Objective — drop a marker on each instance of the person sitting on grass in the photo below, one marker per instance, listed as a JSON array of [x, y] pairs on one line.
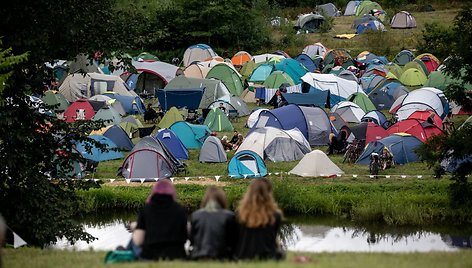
[[213, 228], [238, 142], [226, 145], [260, 221], [234, 139], [150, 114], [161, 230]]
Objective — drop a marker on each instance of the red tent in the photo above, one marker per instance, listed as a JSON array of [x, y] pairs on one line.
[[369, 131], [421, 130], [423, 116], [430, 62], [80, 109]]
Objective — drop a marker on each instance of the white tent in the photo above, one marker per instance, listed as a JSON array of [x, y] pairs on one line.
[[116, 104], [199, 52], [402, 20], [337, 86], [422, 99], [266, 57], [252, 118], [78, 86], [317, 49], [316, 164], [349, 111], [276, 144]]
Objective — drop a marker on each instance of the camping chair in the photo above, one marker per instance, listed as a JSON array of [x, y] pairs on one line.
[[233, 115], [145, 131]]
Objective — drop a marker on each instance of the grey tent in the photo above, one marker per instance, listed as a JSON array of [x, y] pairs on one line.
[[232, 103], [82, 64], [212, 151], [328, 9], [275, 144], [351, 8], [318, 125], [348, 75], [109, 115], [214, 89], [150, 160], [309, 23], [403, 20], [403, 57]]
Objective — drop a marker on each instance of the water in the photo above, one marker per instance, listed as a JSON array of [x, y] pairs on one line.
[[313, 236]]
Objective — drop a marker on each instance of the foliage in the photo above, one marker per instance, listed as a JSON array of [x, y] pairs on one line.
[[436, 40], [7, 63]]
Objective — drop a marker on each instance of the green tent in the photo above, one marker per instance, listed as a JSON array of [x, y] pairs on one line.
[[366, 6], [216, 120], [172, 115], [277, 78], [413, 78], [247, 69], [130, 128], [363, 101], [52, 98], [394, 69], [145, 56], [229, 76], [417, 64], [109, 115]]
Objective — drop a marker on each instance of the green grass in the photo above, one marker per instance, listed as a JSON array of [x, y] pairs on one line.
[[29, 257]]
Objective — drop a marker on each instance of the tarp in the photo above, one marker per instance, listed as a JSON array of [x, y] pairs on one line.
[[316, 164], [212, 151], [316, 97], [173, 143], [180, 98], [246, 164], [276, 145], [339, 88], [401, 146]]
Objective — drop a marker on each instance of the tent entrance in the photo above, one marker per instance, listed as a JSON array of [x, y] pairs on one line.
[[249, 162]]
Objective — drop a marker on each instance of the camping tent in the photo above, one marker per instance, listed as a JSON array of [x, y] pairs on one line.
[[277, 78], [313, 122], [261, 73], [119, 136], [307, 62], [150, 160], [229, 76], [192, 136], [402, 146], [261, 58], [173, 143], [189, 98], [293, 68], [423, 116], [232, 103], [413, 78], [366, 6], [171, 116], [82, 109], [328, 9], [214, 89], [339, 88], [351, 8], [383, 97], [417, 64], [403, 20], [348, 75], [403, 57], [421, 130], [240, 58], [316, 49], [199, 52], [275, 144], [368, 131], [109, 115], [116, 104], [309, 23], [216, 120], [316, 164], [78, 85], [254, 116], [371, 25], [349, 111], [430, 61], [421, 99], [52, 98], [377, 117], [246, 164], [96, 154], [362, 100], [196, 70], [131, 104], [212, 151]]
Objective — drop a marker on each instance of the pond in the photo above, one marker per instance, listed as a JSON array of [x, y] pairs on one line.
[[310, 235]]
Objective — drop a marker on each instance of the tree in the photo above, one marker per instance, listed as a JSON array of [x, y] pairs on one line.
[[37, 207]]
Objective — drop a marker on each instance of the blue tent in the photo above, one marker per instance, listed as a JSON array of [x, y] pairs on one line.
[[372, 25], [383, 97], [95, 153], [293, 68], [173, 143], [132, 105], [286, 118], [307, 62], [192, 136], [377, 117], [246, 164], [315, 98], [180, 98], [261, 73], [118, 135], [401, 146]]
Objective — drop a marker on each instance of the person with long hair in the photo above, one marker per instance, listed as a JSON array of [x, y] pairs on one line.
[[260, 221], [161, 229], [213, 228]]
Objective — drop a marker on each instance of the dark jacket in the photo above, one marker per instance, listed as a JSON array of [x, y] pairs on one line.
[[165, 225], [212, 234], [260, 242]]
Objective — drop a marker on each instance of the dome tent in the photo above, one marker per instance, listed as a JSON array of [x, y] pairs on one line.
[[246, 164], [316, 164], [216, 120], [403, 20], [309, 23], [212, 151], [173, 143], [349, 111]]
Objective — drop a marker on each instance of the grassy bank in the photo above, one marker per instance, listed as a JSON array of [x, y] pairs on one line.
[[56, 258], [392, 201]]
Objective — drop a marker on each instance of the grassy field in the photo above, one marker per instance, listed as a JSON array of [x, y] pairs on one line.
[[37, 258]]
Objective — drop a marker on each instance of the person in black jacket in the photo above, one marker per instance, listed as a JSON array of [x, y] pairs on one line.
[[161, 229], [259, 223], [213, 227]]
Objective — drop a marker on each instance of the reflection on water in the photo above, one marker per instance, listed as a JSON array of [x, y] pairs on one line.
[[310, 237]]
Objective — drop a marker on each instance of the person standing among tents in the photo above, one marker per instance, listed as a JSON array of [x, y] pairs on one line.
[[260, 221], [161, 230], [213, 228], [448, 124]]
